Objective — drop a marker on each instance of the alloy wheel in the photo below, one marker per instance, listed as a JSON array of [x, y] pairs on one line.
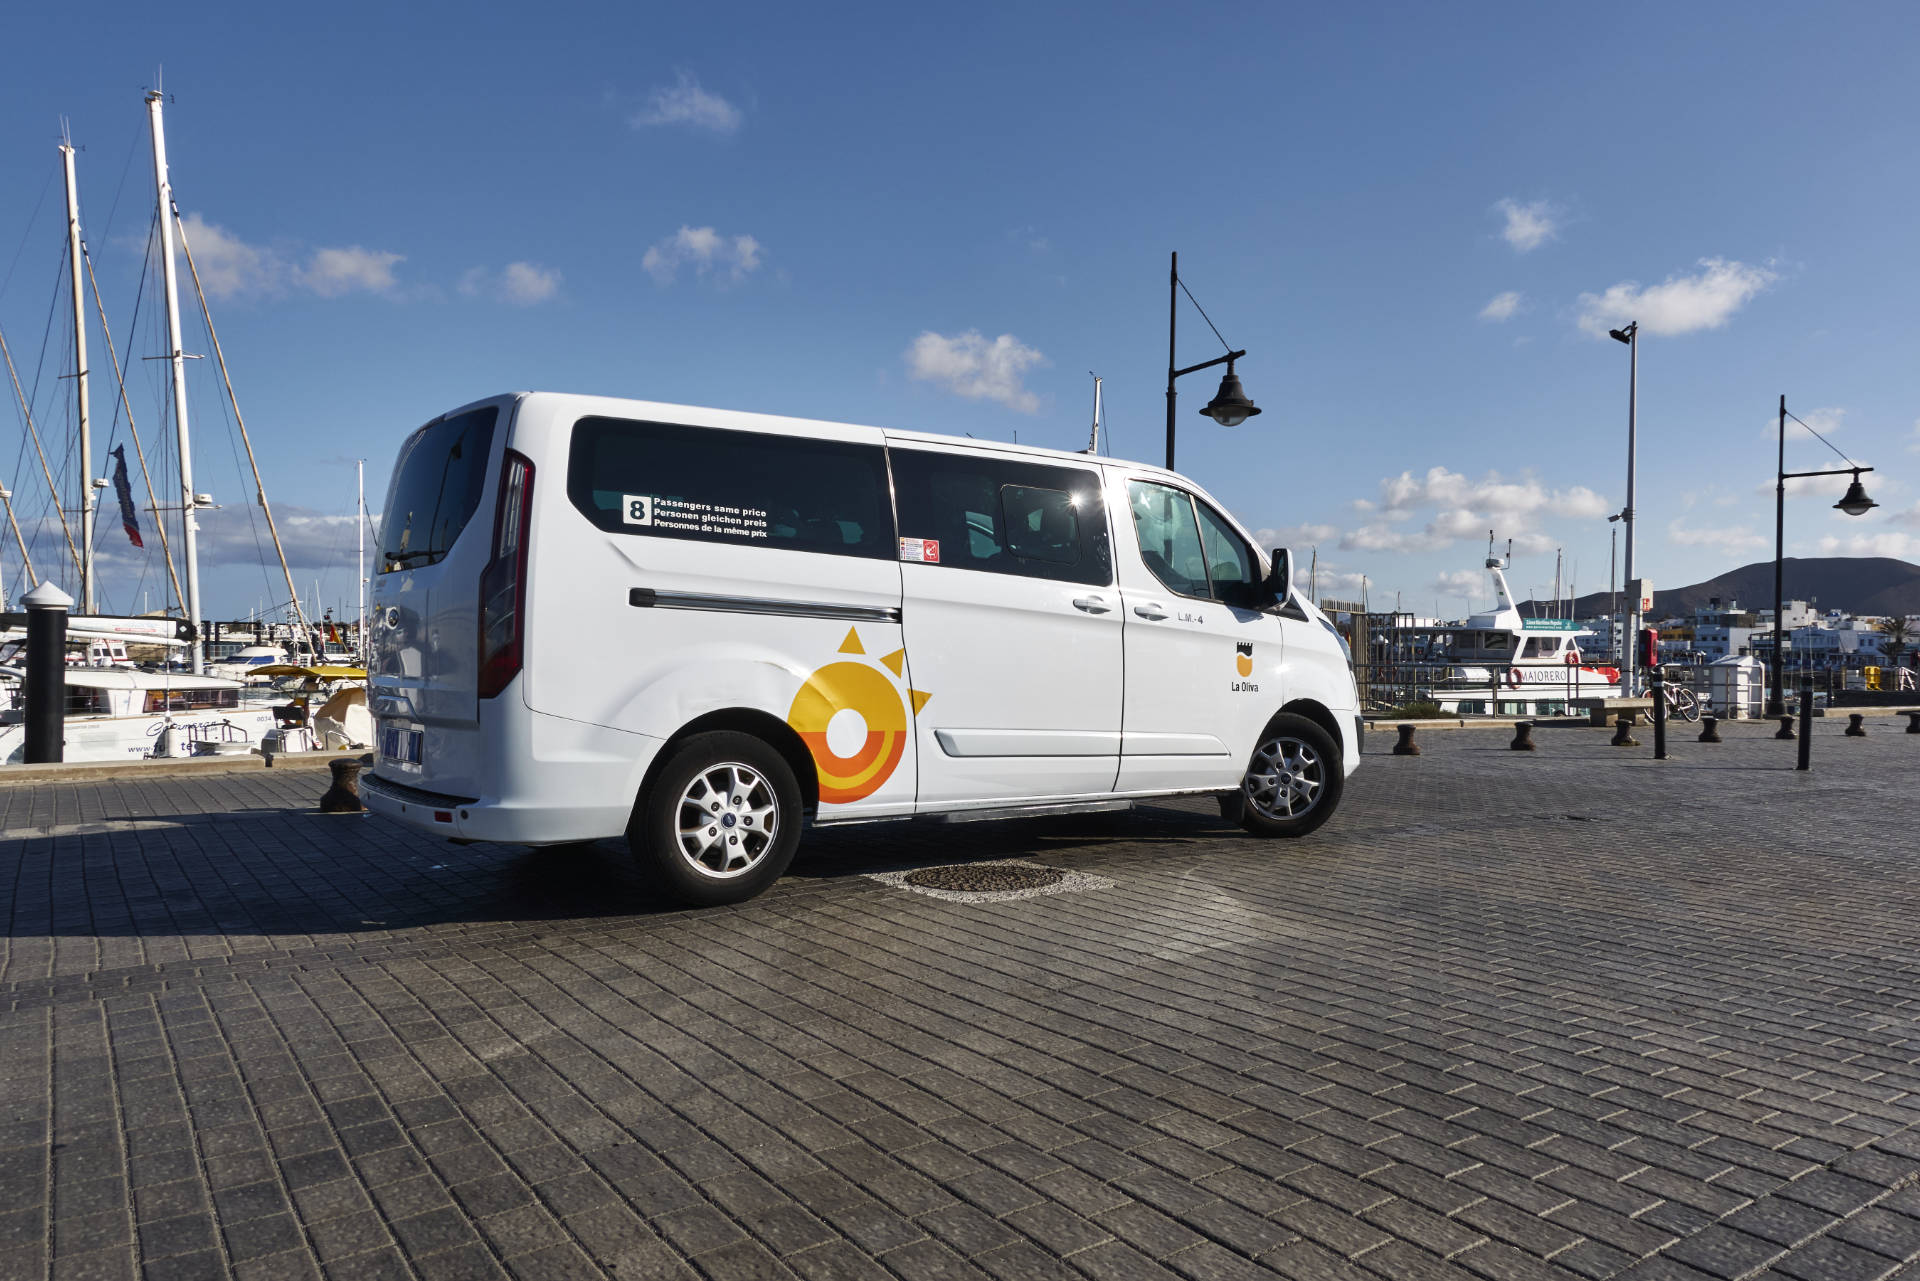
[[729, 817], [1286, 778]]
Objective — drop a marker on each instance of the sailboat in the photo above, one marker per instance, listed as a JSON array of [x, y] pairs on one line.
[[117, 714]]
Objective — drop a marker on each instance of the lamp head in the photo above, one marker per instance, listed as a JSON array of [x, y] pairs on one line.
[[1624, 335], [1230, 406], [1855, 502]]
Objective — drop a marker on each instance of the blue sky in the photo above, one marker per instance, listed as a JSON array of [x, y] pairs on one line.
[[1413, 217]]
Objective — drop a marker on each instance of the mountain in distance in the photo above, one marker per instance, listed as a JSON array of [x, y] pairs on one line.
[[1856, 584]]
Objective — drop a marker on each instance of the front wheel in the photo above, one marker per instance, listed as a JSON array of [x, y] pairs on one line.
[[1293, 781], [1684, 703], [721, 821]]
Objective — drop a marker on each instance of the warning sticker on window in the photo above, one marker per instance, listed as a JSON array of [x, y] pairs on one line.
[[636, 509], [924, 550]]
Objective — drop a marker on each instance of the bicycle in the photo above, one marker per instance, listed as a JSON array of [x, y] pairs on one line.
[[1681, 701]]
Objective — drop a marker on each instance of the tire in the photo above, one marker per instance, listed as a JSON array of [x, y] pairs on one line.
[[739, 779], [1294, 780], [1686, 703]]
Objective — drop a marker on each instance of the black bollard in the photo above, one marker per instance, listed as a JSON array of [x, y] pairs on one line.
[[1856, 727], [46, 682], [344, 796], [1913, 722], [1806, 725], [1710, 729], [1658, 689], [1622, 733], [1786, 728], [1406, 746], [1522, 737]]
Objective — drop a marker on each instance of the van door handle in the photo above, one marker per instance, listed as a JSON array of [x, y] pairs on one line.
[[1092, 604], [1150, 611]]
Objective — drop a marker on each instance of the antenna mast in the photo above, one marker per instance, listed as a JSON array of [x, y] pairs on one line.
[[79, 373], [190, 527], [1093, 441]]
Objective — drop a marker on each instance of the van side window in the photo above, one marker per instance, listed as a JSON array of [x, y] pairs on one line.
[[1002, 515], [437, 483], [1231, 565], [1169, 537], [666, 480]]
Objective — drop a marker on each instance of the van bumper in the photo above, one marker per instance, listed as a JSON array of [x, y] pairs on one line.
[[578, 783]]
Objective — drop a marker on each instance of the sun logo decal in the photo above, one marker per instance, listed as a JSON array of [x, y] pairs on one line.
[[853, 720], [1243, 657]]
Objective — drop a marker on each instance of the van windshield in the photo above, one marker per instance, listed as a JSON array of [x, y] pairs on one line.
[[437, 482]]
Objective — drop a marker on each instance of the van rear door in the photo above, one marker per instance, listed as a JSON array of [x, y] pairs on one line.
[[431, 550]]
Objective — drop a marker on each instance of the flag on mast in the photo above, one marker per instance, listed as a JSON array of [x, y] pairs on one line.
[[129, 518]]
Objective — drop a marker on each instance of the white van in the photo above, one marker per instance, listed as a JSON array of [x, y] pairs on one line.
[[707, 630]]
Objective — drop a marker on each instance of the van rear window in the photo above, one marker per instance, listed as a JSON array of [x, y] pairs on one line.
[[666, 480], [437, 483]]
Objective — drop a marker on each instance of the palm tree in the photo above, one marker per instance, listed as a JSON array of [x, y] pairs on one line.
[[1898, 637]]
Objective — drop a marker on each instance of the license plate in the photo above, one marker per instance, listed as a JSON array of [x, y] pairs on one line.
[[400, 745]]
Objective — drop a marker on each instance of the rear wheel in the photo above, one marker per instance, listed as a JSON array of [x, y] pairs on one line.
[[721, 821], [1685, 703], [1293, 782]]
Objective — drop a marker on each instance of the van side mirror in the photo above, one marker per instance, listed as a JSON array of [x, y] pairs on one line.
[[1280, 576]]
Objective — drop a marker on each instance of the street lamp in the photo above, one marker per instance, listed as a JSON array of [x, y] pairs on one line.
[[1229, 406], [1854, 503], [1630, 643]]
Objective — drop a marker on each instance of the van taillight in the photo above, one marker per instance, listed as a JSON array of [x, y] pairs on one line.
[[503, 585]]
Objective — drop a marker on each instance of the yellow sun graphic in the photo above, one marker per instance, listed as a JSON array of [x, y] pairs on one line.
[[879, 717]]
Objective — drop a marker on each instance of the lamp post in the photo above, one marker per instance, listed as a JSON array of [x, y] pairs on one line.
[[1631, 337], [1229, 406], [1854, 503]]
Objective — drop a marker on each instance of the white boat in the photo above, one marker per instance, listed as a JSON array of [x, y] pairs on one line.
[[117, 714], [241, 666], [1502, 664]]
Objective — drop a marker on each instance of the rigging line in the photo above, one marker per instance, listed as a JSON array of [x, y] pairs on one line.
[[26, 237], [166, 548], [34, 432], [1203, 313], [53, 306], [1823, 440], [125, 168], [220, 358]]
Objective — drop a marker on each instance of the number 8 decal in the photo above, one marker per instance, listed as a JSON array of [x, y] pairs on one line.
[[639, 509]]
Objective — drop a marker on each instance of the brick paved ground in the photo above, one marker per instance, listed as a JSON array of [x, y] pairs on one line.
[[1489, 1023]]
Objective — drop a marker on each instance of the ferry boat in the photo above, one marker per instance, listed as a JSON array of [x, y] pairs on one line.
[[1501, 664]]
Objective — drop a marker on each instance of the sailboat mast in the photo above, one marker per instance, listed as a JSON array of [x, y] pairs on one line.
[[360, 560], [177, 359], [74, 267]]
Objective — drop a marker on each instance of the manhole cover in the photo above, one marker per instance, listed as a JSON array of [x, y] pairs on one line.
[[985, 878]]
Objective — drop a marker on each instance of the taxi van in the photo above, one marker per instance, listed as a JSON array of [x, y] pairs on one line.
[[707, 630]]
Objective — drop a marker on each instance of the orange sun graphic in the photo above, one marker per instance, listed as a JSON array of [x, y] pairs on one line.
[[854, 721]]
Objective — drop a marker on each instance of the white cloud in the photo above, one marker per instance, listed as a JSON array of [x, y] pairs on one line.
[[1492, 494], [1335, 584], [521, 283], [1462, 582], [707, 251], [1679, 304], [968, 365], [1825, 421], [1532, 544], [1379, 538], [1503, 306], [686, 103], [1456, 522], [1528, 226], [1723, 538], [230, 267], [333, 272], [1295, 536], [1898, 545]]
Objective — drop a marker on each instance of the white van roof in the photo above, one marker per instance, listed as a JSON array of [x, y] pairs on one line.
[[697, 415]]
